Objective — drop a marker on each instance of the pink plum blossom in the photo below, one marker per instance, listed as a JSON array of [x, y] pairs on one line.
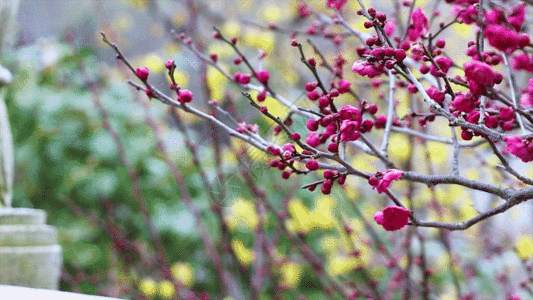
[[337, 4], [479, 72], [522, 149], [392, 218], [386, 180], [502, 38], [420, 25], [364, 68]]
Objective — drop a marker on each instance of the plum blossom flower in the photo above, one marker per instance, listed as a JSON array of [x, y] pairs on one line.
[[467, 14], [390, 27], [522, 149], [337, 4], [349, 130], [392, 218], [522, 62], [386, 180], [365, 68], [479, 72], [517, 16], [350, 112], [444, 64], [420, 25], [313, 139], [502, 38]]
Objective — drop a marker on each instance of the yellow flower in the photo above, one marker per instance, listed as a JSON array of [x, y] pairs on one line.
[[166, 289], [271, 13], [290, 274], [231, 29], [300, 214], [217, 83], [524, 247], [341, 265], [438, 152], [154, 63], [148, 287], [467, 211], [260, 39], [184, 273], [399, 147], [243, 214], [244, 255]]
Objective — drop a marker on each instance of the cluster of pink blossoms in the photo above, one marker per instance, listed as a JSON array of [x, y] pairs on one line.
[[521, 148]]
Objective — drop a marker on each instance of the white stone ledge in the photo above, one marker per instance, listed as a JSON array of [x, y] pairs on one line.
[[8, 292]]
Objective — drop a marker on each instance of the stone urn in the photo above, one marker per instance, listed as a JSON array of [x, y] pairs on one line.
[[29, 253]]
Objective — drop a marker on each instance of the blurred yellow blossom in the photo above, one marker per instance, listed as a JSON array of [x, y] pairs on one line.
[[180, 19], [271, 13], [290, 274], [260, 39], [242, 214], [166, 289], [231, 29], [438, 152], [221, 50], [153, 62], [148, 287], [184, 273], [338, 265], [322, 214], [244, 255], [399, 147], [217, 83], [300, 215], [524, 247], [467, 211]]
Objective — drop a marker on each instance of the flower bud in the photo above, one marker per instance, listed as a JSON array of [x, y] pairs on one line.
[[185, 96], [142, 73], [263, 76], [312, 165]]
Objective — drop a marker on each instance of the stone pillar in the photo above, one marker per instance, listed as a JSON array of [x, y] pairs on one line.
[[29, 253]]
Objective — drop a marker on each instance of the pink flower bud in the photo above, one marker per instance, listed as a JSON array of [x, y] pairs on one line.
[[344, 86], [286, 174], [168, 64], [372, 109], [312, 61], [312, 165], [323, 102], [380, 121], [333, 147], [149, 93], [295, 136], [311, 86], [214, 57], [313, 139], [237, 60], [313, 95], [261, 96], [263, 76], [245, 78], [185, 96], [312, 125], [142, 73]]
